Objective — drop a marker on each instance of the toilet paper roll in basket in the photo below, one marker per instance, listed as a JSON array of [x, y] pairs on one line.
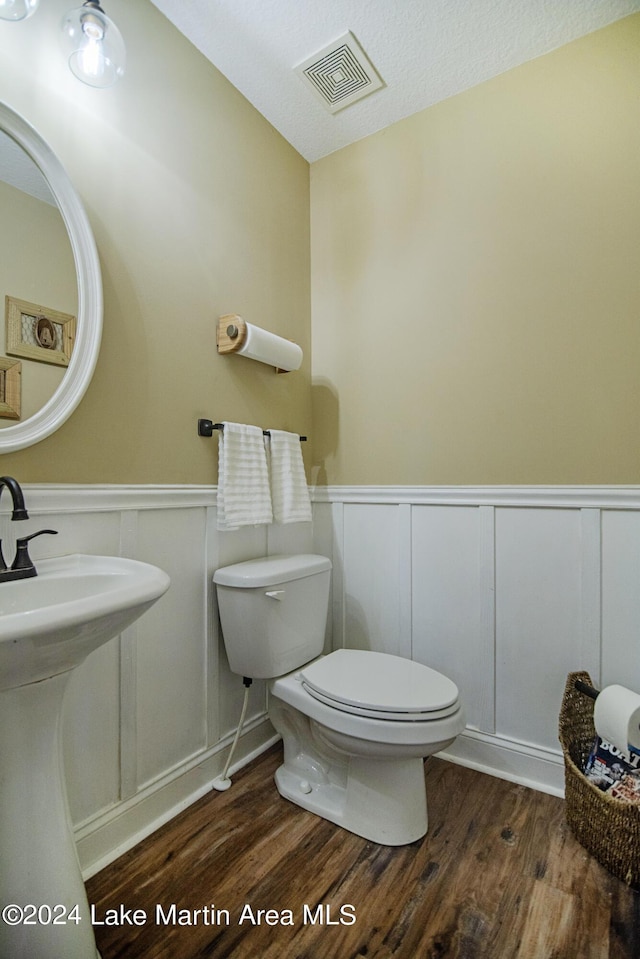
[[235, 335], [616, 716]]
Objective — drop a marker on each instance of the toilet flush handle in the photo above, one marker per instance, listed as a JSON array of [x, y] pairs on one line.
[[275, 593]]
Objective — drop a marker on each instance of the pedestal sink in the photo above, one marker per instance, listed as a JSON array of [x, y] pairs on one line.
[[48, 626]]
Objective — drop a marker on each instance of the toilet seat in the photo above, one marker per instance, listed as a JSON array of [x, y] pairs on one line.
[[380, 686]]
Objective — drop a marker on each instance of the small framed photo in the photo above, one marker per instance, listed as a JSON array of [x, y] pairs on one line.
[[39, 333], [10, 388]]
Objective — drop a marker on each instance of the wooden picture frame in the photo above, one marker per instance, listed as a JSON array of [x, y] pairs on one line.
[[38, 333], [10, 388]]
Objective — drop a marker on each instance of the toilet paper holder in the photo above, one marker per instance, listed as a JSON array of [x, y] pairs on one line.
[[586, 689]]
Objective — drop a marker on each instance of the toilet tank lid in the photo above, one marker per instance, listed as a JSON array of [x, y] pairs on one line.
[[270, 570]]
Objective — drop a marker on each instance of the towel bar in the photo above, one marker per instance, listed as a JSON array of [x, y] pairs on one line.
[[206, 428]]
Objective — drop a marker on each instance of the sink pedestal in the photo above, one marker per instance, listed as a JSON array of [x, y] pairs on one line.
[[49, 624], [39, 865]]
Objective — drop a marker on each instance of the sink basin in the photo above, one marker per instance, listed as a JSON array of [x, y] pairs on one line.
[[48, 626], [50, 623]]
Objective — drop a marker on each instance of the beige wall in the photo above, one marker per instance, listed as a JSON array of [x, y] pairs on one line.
[[199, 208], [476, 290]]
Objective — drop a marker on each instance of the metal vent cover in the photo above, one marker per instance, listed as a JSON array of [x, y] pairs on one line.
[[340, 74]]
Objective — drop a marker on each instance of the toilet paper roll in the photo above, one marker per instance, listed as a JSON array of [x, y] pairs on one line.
[[616, 716], [271, 349]]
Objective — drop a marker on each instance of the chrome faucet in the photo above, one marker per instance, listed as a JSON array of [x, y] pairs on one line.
[[22, 566]]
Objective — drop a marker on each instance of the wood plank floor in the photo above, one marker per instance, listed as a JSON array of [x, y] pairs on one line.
[[498, 876]]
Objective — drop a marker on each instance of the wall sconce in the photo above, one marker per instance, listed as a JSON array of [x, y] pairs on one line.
[[94, 45], [17, 9]]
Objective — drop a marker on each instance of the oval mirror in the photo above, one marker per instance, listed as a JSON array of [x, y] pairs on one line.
[[72, 361]]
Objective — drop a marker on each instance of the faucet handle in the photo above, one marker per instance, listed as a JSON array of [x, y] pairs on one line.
[[22, 559]]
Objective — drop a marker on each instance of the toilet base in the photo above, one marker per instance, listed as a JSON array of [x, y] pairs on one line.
[[381, 799], [384, 801]]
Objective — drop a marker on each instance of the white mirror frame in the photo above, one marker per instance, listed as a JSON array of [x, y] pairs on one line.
[[89, 326]]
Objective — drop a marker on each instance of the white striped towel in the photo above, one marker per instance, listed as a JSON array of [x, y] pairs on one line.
[[289, 492], [244, 498]]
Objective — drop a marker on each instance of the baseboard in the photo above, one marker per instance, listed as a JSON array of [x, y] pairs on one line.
[[517, 762], [110, 835]]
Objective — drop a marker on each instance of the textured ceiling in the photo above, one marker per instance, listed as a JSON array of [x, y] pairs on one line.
[[19, 170], [424, 50]]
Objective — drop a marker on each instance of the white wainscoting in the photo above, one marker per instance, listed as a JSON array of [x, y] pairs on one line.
[[505, 590]]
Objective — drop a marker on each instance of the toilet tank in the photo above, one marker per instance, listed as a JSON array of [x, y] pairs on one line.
[[273, 612]]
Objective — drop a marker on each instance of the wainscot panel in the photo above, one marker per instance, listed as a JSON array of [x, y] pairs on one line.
[[504, 589]]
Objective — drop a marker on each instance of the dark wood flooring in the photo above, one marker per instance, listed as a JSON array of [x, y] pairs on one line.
[[498, 876]]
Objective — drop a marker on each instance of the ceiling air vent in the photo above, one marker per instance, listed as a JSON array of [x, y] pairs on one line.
[[340, 74]]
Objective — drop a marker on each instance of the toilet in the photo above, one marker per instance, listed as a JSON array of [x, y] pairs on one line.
[[356, 725]]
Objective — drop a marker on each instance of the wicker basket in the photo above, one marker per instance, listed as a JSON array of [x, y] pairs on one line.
[[608, 828]]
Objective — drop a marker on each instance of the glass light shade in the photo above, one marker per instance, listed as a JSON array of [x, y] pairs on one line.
[[94, 45], [17, 9]]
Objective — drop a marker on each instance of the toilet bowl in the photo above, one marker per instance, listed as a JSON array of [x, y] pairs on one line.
[[356, 725]]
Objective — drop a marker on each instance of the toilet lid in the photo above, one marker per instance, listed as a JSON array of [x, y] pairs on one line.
[[380, 685]]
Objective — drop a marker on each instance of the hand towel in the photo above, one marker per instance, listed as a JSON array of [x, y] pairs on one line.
[[244, 498], [289, 492]]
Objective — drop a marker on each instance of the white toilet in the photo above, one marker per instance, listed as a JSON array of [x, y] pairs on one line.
[[355, 724]]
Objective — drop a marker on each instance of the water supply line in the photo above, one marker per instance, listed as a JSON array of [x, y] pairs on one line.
[[223, 782]]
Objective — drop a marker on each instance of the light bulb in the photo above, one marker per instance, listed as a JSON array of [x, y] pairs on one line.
[[17, 9], [94, 45]]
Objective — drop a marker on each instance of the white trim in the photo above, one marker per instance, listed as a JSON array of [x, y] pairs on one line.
[[405, 599], [128, 673], [573, 497], [71, 498], [80, 498], [517, 762], [487, 579], [591, 593], [108, 836]]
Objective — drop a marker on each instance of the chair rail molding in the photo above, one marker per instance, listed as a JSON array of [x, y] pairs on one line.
[[571, 497]]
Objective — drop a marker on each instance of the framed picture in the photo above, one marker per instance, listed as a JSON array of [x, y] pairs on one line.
[[38, 333], [10, 388]]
